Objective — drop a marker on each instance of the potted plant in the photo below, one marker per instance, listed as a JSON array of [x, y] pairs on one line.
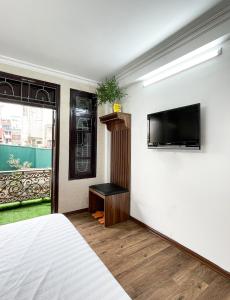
[[109, 91]]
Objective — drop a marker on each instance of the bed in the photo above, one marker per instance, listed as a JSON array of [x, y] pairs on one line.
[[47, 258]]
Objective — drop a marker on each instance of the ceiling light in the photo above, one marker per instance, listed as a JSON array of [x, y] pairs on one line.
[[183, 63]]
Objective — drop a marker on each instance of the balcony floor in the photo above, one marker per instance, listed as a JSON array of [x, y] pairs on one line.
[[10, 213]]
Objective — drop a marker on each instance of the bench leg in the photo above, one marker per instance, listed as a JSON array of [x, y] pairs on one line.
[[116, 208]]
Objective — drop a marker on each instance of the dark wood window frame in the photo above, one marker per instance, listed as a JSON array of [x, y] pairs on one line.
[[74, 134], [32, 92]]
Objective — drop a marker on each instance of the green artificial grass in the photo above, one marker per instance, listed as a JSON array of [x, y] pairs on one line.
[[14, 212]]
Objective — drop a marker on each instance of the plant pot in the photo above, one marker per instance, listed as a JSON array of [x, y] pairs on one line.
[[116, 106]]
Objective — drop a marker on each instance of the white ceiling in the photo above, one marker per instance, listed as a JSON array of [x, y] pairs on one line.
[[90, 38]]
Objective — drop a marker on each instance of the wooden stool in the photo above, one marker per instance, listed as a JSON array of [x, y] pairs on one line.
[[111, 198]]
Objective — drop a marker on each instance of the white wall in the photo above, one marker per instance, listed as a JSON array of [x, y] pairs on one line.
[[186, 194], [73, 195]]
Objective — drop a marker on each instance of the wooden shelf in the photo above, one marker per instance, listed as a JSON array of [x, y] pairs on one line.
[[115, 121]]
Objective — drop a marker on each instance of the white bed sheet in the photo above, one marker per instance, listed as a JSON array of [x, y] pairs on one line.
[[47, 258]]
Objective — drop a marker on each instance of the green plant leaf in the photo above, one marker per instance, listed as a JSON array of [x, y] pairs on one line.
[[109, 91]]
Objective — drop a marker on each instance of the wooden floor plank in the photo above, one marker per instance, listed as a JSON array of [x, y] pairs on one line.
[[218, 289], [148, 267]]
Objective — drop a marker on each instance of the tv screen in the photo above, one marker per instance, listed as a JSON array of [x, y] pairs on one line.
[[179, 127]]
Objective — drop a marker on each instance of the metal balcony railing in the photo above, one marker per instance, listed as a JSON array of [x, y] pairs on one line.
[[22, 185]]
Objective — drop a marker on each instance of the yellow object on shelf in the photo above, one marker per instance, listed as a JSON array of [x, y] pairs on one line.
[[116, 107]]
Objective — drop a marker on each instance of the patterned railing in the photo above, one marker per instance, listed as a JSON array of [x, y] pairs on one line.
[[24, 185]]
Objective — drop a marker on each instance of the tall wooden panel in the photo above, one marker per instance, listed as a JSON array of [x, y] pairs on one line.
[[120, 157], [120, 126]]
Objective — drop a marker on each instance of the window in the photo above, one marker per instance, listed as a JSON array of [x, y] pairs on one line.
[[82, 135]]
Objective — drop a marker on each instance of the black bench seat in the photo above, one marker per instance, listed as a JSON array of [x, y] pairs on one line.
[[108, 189]]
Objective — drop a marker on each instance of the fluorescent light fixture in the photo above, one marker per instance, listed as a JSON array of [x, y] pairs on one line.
[[185, 62]]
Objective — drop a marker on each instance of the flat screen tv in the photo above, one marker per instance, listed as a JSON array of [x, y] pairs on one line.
[[175, 128]]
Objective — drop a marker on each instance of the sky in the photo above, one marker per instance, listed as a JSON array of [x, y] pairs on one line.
[[8, 110]]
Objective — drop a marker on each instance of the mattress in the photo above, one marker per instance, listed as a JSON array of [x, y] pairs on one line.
[[47, 258]]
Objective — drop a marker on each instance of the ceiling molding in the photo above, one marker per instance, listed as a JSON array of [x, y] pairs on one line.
[[45, 70], [208, 21]]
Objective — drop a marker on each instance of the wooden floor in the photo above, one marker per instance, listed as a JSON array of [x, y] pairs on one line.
[[148, 267]]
